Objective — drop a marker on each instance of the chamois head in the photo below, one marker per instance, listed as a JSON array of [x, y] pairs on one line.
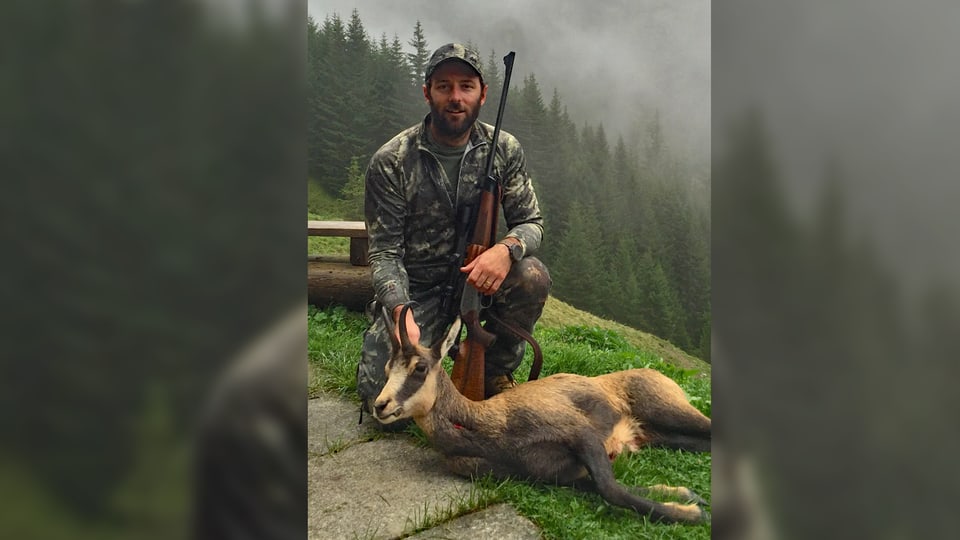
[[412, 371]]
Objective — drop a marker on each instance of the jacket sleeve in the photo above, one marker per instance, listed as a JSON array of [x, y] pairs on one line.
[[520, 207], [385, 214]]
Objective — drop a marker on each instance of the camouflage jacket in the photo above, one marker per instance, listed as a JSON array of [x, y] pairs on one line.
[[411, 218]]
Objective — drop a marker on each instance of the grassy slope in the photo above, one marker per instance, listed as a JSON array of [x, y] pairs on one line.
[[558, 314]]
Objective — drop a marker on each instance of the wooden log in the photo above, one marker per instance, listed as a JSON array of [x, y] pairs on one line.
[[333, 280]]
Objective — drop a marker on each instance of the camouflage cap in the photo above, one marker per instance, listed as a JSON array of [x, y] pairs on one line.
[[454, 51]]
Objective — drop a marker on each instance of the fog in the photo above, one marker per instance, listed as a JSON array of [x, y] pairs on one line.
[[841, 411], [613, 63], [870, 86]]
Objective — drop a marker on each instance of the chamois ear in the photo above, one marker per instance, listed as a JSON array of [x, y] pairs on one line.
[[441, 347]]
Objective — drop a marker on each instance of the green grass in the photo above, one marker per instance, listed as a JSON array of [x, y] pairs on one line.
[[335, 336], [325, 245], [558, 314]]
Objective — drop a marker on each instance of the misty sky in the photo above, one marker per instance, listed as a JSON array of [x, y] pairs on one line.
[[871, 86], [613, 62]]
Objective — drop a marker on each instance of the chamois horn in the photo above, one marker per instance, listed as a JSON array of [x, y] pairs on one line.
[[407, 347]]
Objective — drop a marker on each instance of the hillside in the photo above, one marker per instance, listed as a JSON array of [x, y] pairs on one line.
[[557, 314]]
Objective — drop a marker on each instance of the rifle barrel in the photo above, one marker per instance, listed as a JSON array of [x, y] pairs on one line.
[[507, 71]]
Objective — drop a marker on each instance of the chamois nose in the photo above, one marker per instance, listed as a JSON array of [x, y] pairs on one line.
[[380, 405]]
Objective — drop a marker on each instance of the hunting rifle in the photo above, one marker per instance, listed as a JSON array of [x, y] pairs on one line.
[[478, 222]]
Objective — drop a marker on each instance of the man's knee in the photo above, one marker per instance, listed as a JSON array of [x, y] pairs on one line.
[[373, 358], [533, 278]]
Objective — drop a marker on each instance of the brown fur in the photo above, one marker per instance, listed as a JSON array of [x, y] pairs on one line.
[[562, 429]]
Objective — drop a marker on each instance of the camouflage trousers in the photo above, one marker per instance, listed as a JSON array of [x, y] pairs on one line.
[[519, 302]]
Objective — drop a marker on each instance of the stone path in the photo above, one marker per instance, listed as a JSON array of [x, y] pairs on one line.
[[367, 485]]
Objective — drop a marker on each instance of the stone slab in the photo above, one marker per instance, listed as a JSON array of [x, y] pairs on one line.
[[378, 489], [332, 423], [362, 483], [500, 521]]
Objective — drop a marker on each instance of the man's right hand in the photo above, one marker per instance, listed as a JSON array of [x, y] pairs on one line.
[[413, 331]]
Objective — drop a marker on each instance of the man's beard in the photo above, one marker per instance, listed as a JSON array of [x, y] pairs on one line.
[[449, 129]]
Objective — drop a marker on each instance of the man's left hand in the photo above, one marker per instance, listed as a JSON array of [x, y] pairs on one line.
[[487, 272]]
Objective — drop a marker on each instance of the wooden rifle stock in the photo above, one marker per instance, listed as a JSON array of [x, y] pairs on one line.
[[468, 367]]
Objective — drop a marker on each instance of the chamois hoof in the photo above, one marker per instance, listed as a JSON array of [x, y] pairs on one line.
[[691, 497], [680, 494]]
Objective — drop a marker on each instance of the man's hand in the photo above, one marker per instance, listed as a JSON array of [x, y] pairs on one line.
[[487, 272], [413, 331]]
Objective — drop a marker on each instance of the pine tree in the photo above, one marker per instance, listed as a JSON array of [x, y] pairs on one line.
[[706, 334], [352, 194], [389, 94], [333, 133], [660, 309], [492, 78], [527, 121], [578, 272], [621, 289], [417, 60], [357, 44], [551, 178], [412, 107]]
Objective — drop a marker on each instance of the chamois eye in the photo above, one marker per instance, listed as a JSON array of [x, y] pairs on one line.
[[420, 368]]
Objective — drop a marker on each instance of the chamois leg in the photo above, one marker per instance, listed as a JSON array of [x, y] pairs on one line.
[[668, 419], [679, 426], [598, 464], [679, 493], [679, 441]]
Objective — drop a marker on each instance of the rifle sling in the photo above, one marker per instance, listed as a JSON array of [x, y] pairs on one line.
[[524, 335]]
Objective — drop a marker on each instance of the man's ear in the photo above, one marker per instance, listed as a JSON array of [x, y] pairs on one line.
[[426, 93], [483, 94]]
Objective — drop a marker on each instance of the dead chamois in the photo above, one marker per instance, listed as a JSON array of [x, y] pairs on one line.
[[563, 429]]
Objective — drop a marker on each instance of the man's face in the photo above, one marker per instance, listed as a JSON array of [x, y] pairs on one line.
[[455, 95]]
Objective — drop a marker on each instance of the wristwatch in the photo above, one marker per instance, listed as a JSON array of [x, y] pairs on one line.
[[516, 250]]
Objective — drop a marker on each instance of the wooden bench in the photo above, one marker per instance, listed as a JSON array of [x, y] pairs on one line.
[[338, 280], [356, 231]]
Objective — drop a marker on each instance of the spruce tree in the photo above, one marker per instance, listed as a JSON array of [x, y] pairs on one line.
[[527, 120], [578, 271], [621, 289], [417, 60], [492, 77], [352, 195], [334, 135], [660, 308]]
